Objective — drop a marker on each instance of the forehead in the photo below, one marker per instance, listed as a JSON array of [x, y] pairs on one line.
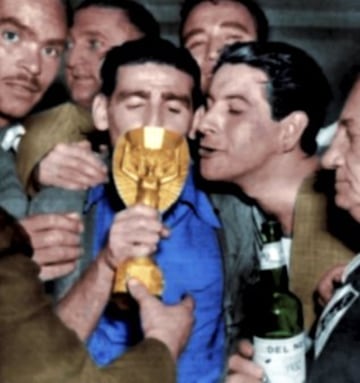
[[351, 109], [207, 13], [238, 79], [108, 21], [44, 18], [151, 76]]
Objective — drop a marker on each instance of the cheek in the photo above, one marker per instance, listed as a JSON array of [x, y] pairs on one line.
[[50, 69], [179, 123], [198, 54]]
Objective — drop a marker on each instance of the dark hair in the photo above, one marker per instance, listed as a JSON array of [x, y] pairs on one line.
[[137, 14], [68, 12], [260, 19], [146, 50], [348, 81], [296, 82]]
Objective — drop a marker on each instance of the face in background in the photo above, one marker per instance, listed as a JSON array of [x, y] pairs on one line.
[[146, 94], [209, 27], [344, 155], [238, 136], [32, 39], [94, 32]]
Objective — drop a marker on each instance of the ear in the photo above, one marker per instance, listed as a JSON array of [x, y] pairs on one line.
[[99, 112], [292, 128], [199, 113]]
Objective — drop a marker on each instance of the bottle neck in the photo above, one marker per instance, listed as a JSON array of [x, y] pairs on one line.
[[273, 271], [275, 279]]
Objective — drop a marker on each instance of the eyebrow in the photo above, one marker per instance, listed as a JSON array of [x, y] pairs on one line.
[[193, 32], [231, 97], [123, 95], [238, 97], [168, 96], [234, 24], [182, 98], [226, 24], [92, 34], [15, 22]]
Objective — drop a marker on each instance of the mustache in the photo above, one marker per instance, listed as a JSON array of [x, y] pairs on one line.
[[29, 82]]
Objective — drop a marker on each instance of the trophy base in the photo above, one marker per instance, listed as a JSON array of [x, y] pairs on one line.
[[144, 270]]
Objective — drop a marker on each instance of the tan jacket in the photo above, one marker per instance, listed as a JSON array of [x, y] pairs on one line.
[[314, 249], [64, 123]]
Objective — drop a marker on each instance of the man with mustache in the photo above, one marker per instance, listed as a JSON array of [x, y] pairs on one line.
[[96, 27], [56, 151], [30, 53]]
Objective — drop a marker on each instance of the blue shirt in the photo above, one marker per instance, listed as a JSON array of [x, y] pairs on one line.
[[190, 260]]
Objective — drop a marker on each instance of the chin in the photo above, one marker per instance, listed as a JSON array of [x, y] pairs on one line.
[[83, 101], [210, 174], [355, 213], [342, 202]]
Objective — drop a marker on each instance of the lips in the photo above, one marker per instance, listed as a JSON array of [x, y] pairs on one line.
[[27, 86], [207, 151]]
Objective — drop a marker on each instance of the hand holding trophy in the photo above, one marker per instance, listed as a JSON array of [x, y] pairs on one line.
[[150, 166]]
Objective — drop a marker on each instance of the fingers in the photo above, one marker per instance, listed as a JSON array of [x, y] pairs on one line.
[[50, 272], [246, 348], [72, 166], [43, 222], [241, 366], [56, 242], [56, 254], [240, 378], [47, 230], [326, 286], [247, 367], [136, 231]]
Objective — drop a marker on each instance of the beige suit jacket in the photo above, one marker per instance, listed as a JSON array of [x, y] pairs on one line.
[[314, 249], [64, 123]]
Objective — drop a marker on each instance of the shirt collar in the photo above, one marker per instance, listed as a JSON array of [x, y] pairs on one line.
[[192, 196], [10, 136]]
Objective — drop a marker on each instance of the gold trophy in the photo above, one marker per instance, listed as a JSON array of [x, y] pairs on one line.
[[150, 166]]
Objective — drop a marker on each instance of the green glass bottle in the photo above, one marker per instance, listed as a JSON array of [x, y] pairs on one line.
[[279, 342]]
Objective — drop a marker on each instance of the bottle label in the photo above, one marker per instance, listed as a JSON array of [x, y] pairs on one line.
[[271, 256], [283, 360]]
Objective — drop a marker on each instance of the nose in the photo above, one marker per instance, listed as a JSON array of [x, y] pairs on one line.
[[153, 116], [75, 56], [31, 60], [334, 156], [205, 122], [214, 48]]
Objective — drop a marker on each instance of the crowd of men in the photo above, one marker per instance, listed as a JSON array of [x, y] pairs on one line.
[[251, 110]]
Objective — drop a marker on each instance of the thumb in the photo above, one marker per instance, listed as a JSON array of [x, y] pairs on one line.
[[188, 302], [137, 290]]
